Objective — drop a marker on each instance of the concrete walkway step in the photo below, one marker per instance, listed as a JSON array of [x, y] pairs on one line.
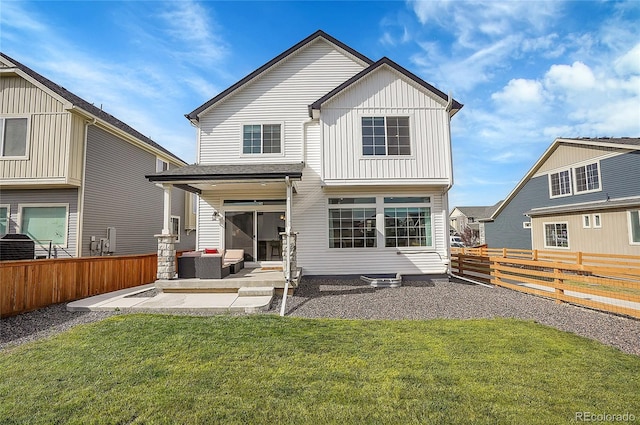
[[257, 291]]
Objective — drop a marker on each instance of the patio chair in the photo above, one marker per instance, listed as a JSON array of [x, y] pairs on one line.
[[187, 264], [234, 258]]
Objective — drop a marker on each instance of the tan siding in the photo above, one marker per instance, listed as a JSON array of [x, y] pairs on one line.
[[384, 93], [48, 133], [611, 238], [76, 150], [565, 156], [281, 96]]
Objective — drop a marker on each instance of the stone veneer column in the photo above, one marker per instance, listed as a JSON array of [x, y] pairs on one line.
[[166, 257]]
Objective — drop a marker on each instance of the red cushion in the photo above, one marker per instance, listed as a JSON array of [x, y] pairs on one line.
[[211, 250]]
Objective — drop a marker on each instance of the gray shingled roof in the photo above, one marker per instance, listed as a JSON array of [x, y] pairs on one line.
[[589, 206], [93, 110], [228, 172], [631, 141]]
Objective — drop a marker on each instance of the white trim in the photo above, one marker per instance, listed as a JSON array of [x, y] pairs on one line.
[[45, 205], [262, 154], [629, 220], [586, 221], [544, 234], [27, 136], [526, 225]]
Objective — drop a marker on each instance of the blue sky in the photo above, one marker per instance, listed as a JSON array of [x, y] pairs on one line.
[[527, 71]]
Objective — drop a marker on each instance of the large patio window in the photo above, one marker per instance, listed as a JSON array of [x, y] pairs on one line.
[[261, 139], [352, 223], [556, 235], [385, 136], [407, 224], [45, 223]]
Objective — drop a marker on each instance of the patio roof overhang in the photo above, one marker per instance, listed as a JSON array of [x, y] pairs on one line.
[[195, 178]]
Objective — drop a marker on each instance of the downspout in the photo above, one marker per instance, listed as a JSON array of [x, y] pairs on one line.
[[80, 224], [445, 193], [287, 266]]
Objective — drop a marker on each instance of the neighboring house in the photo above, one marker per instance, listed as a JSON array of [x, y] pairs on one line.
[[581, 195], [462, 218], [352, 155], [72, 176]]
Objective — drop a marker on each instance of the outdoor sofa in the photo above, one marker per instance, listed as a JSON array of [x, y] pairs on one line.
[[210, 264]]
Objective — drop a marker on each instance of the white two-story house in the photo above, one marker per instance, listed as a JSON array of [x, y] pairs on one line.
[[350, 155]]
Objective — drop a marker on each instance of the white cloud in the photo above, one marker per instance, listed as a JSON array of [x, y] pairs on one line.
[[628, 63], [575, 77], [520, 91]]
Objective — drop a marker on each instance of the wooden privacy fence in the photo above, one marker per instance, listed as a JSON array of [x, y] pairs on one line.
[[31, 284], [605, 282]]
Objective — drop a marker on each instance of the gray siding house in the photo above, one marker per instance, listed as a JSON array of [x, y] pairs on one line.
[[581, 195], [72, 175]]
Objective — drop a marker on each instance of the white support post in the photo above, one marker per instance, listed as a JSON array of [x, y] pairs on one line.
[[166, 224], [287, 254]]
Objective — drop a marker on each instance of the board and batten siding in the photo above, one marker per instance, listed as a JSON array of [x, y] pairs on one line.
[[386, 93], [16, 197], [54, 146], [282, 95], [117, 194]]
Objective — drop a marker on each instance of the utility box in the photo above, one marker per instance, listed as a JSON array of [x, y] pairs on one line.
[[111, 240], [17, 246]]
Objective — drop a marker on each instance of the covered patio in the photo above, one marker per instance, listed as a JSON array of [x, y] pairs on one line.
[[241, 206]]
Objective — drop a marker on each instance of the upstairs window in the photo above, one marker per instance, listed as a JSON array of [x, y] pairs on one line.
[[560, 183], [587, 178], [261, 139], [161, 165], [14, 137], [385, 136]]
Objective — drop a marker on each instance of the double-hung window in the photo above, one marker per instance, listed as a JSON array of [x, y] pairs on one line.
[[161, 165], [45, 223], [560, 183], [587, 178], [556, 235], [352, 223], [13, 137], [407, 222], [385, 136], [634, 227], [261, 139]]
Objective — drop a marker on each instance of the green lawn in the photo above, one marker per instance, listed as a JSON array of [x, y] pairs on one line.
[[271, 370]]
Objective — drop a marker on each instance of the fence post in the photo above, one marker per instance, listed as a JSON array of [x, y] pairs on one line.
[[556, 282], [461, 264], [535, 255], [504, 252], [579, 257]]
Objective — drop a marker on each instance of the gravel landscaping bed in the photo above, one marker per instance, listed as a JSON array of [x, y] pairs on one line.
[[354, 299]]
